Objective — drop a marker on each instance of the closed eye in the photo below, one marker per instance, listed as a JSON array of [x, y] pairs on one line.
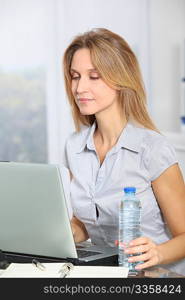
[[77, 77]]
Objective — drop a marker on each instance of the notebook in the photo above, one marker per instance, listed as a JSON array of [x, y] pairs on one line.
[[34, 219], [62, 270]]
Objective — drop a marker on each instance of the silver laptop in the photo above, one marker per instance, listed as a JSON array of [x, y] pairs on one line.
[[34, 218]]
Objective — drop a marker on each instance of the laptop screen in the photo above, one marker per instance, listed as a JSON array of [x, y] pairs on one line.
[[33, 213]]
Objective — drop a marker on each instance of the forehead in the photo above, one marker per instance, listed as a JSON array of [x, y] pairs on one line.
[[81, 59]]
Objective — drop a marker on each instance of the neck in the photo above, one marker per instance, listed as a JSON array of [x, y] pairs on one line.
[[109, 128]]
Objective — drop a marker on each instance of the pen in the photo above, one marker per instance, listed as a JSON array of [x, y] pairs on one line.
[[37, 264]]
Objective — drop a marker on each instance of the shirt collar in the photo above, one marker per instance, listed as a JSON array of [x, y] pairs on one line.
[[130, 139], [87, 140]]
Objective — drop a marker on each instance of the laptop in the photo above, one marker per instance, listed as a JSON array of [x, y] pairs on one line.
[[34, 218]]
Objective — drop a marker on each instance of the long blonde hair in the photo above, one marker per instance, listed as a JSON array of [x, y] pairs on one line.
[[118, 66]]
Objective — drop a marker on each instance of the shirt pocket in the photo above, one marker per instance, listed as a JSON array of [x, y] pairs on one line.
[[143, 193], [141, 186]]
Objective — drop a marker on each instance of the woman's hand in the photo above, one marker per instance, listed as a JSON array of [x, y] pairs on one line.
[[149, 252], [74, 229], [79, 231]]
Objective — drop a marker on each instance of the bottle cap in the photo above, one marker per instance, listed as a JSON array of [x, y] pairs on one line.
[[183, 120], [129, 189]]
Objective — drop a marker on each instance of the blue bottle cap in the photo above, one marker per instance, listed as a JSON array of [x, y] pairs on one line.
[[130, 189], [183, 119]]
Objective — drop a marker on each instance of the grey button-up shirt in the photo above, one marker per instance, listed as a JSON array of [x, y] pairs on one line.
[[139, 157]]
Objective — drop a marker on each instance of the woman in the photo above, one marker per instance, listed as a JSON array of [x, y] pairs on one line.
[[115, 145]]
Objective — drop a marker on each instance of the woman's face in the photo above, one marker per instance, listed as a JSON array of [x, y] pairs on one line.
[[91, 93]]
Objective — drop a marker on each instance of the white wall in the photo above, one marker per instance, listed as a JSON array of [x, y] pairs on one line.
[[167, 33]]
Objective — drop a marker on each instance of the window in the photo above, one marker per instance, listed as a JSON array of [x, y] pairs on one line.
[[23, 68]]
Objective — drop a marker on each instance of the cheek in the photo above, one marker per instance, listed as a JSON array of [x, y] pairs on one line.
[[73, 88], [104, 89], [106, 94]]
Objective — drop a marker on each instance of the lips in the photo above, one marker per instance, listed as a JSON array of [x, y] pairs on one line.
[[84, 99]]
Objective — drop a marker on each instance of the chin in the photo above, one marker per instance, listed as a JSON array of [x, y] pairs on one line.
[[87, 113]]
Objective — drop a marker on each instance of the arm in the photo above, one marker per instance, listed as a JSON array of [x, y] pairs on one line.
[[79, 231], [78, 228], [169, 189]]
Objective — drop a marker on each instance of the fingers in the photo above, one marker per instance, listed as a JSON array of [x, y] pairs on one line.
[[140, 241], [135, 242], [149, 259], [122, 245], [116, 242], [141, 257], [146, 264], [138, 249], [143, 250]]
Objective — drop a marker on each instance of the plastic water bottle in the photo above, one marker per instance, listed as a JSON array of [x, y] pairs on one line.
[[129, 226]]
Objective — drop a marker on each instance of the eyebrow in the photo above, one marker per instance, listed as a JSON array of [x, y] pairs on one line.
[[91, 70]]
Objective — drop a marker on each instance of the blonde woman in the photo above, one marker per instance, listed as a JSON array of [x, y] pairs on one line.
[[115, 145]]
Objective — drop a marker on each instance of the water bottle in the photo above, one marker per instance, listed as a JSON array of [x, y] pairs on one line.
[[129, 226]]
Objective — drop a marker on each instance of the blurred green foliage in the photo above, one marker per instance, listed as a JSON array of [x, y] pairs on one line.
[[23, 134]]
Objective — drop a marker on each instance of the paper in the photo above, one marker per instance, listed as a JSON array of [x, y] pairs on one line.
[[52, 270], [98, 271]]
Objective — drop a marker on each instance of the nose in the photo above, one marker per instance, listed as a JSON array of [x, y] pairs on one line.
[[82, 85]]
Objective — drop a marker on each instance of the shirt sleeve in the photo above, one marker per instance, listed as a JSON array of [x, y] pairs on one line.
[[65, 154], [161, 156]]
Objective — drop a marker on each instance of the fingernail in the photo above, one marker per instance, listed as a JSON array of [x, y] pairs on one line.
[[116, 242], [137, 267], [122, 245]]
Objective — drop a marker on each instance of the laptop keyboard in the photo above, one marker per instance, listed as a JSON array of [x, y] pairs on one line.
[[83, 253]]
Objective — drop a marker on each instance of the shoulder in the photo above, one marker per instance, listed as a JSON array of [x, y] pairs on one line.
[[157, 153], [154, 143], [144, 139], [151, 138]]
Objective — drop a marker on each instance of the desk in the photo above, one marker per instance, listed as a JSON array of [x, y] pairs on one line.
[[153, 272], [156, 272]]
